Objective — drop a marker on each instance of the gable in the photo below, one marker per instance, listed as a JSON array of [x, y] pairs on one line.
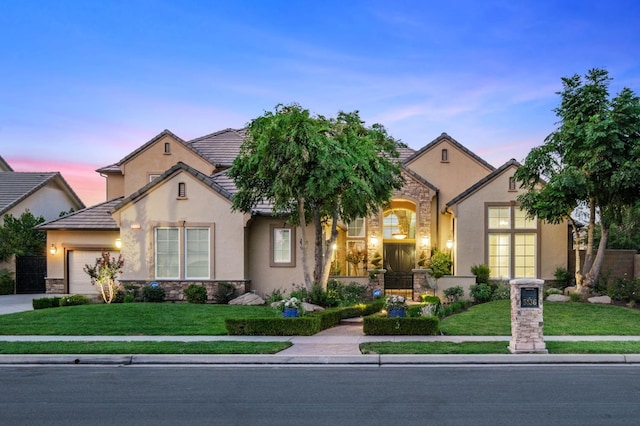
[[451, 173], [157, 156]]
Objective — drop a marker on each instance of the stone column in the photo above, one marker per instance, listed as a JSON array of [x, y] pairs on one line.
[[526, 317]]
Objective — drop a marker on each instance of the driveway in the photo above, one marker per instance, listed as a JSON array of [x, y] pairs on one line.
[[17, 302]]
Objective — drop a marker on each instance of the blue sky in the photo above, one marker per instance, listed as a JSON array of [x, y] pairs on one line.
[[84, 83]]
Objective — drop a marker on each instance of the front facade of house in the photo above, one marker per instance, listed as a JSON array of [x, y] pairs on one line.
[[170, 217]]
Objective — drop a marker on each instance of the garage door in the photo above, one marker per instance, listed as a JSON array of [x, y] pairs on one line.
[[79, 281]]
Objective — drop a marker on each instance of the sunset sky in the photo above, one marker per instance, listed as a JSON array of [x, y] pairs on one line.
[[84, 83]]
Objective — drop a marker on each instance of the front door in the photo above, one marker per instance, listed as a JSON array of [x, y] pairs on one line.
[[399, 260]]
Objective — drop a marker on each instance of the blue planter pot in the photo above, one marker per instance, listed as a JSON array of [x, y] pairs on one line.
[[396, 313], [290, 313]]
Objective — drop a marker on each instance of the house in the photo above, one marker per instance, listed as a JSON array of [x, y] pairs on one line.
[[45, 194], [169, 215]]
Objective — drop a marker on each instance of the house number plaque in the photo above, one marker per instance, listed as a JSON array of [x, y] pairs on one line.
[[529, 297]]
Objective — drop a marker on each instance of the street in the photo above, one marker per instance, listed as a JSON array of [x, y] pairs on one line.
[[320, 395]]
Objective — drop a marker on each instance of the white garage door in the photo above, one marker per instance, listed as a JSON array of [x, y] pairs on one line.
[[79, 281]]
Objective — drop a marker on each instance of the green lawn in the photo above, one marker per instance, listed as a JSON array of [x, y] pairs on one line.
[[570, 319], [129, 319], [466, 348]]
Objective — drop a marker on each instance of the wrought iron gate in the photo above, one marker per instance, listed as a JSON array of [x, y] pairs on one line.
[[30, 274]]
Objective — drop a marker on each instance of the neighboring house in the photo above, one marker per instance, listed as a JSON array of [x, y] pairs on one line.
[[45, 194], [170, 217]]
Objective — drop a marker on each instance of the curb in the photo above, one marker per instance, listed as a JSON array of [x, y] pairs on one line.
[[369, 360]]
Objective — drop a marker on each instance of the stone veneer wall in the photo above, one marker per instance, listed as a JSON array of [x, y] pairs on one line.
[[54, 285], [175, 289]]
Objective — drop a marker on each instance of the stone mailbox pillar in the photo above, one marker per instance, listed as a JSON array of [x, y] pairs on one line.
[[526, 317]]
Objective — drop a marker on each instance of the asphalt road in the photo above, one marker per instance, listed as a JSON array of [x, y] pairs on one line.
[[320, 395]]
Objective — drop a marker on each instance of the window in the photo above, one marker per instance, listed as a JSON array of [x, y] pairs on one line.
[[171, 254], [356, 228], [444, 155], [197, 253], [167, 253], [512, 243], [167, 148], [512, 183], [182, 190], [282, 246], [399, 224]]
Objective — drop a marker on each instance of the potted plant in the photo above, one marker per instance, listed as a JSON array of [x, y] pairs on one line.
[[291, 307], [395, 306]]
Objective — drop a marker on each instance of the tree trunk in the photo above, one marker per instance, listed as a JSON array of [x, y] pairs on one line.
[[318, 267], [576, 250], [588, 257], [303, 244], [329, 252], [591, 277]]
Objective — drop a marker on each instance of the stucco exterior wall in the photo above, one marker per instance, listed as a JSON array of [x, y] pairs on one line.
[[162, 207], [264, 277], [115, 186], [470, 235], [75, 240], [154, 160], [48, 202]]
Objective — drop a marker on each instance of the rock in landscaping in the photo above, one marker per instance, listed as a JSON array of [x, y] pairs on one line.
[[570, 290], [557, 298], [308, 307], [605, 300], [248, 299]]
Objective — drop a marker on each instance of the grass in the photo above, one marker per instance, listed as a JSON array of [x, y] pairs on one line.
[[560, 319], [129, 319], [142, 347], [467, 348]]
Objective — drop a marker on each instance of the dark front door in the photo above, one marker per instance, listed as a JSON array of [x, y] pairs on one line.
[[30, 274], [399, 260]]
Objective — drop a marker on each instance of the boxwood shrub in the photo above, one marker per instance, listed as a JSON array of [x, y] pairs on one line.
[[74, 300], [379, 325], [196, 294]]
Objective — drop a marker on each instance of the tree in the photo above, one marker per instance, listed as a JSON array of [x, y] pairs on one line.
[[104, 273], [316, 171], [592, 159], [19, 236]]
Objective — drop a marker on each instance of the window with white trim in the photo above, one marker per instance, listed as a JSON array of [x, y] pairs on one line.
[[512, 243], [282, 251], [175, 247], [356, 228]]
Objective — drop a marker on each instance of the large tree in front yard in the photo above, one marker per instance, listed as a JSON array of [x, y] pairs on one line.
[[316, 171], [19, 236], [591, 160]]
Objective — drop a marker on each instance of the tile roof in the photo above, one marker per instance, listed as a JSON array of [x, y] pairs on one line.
[[17, 186], [482, 182], [4, 166], [419, 178], [226, 184], [95, 218], [444, 136], [220, 148]]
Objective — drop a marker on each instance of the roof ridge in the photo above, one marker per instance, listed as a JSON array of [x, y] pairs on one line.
[[479, 184], [445, 136]]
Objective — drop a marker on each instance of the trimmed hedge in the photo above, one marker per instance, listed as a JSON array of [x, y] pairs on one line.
[[305, 325], [74, 300], [46, 302], [376, 325]]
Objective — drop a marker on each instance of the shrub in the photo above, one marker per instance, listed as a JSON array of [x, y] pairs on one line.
[[225, 292], [42, 303], [429, 299], [196, 294], [453, 308], [275, 296], [480, 293], [624, 290], [153, 293], [74, 300], [563, 278], [340, 294], [129, 298], [132, 290], [408, 326], [453, 294], [501, 292], [439, 264], [7, 284], [121, 293], [482, 273], [300, 326], [317, 296]]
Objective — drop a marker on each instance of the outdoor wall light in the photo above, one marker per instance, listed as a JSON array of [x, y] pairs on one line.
[[424, 242], [53, 249], [118, 243], [374, 241], [449, 243]]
